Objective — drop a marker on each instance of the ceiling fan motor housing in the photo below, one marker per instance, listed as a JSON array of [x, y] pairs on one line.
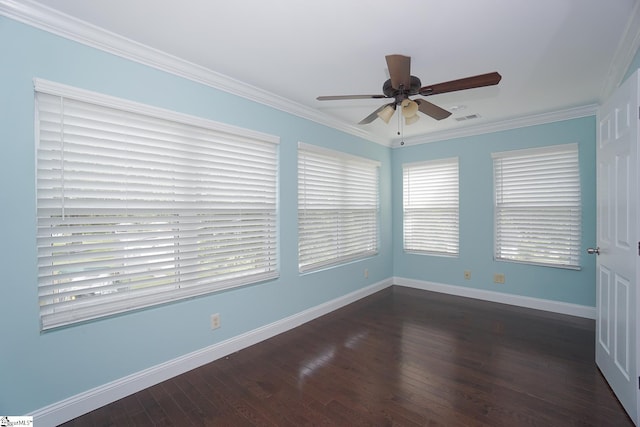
[[402, 85], [401, 93]]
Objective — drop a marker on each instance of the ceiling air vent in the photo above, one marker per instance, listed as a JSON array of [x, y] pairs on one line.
[[469, 117]]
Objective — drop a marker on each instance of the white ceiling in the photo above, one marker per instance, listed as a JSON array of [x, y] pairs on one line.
[[553, 55]]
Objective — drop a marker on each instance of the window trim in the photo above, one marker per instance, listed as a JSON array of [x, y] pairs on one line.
[[424, 166], [575, 255], [303, 248], [55, 316]]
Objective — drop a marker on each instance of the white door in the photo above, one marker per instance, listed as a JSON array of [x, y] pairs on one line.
[[618, 262]]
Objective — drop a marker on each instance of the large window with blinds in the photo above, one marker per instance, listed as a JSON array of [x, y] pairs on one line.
[[430, 202], [138, 206], [337, 207], [538, 206]]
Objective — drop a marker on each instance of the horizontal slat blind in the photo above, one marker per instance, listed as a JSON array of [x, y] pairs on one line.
[[538, 206], [431, 207], [136, 209], [337, 207]]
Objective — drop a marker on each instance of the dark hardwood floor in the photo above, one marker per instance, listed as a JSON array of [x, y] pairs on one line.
[[401, 357]]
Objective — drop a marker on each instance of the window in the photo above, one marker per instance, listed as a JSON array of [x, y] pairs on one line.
[[537, 206], [138, 206], [430, 207], [337, 207]]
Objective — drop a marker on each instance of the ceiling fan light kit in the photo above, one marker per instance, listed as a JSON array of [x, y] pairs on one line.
[[409, 111], [386, 113], [411, 120], [401, 85]]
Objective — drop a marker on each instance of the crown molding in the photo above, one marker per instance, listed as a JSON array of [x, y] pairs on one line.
[[50, 20], [514, 123], [627, 48]]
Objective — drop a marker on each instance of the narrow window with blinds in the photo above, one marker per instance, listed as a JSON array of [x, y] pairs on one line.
[[537, 206], [138, 206], [337, 207], [430, 207]]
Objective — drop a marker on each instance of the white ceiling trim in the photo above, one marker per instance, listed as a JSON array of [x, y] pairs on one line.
[[627, 48], [519, 122], [44, 18]]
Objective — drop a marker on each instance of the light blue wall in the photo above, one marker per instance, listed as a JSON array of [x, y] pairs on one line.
[[476, 215], [40, 369]]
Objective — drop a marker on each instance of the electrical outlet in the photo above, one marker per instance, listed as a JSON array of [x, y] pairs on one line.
[[215, 321], [366, 273], [498, 278], [467, 275]]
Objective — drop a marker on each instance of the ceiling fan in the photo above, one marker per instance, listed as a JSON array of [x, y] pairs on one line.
[[402, 85]]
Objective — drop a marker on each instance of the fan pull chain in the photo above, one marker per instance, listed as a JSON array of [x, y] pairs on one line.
[[400, 128]]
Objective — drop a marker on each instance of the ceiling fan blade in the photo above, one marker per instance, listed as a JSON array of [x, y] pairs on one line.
[[481, 80], [371, 117], [339, 97], [432, 110], [399, 70]]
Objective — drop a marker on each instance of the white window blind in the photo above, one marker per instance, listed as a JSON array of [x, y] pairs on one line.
[[140, 208], [537, 206], [337, 207], [431, 207]]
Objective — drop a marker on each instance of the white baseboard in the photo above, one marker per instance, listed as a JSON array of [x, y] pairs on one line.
[[68, 409], [517, 300]]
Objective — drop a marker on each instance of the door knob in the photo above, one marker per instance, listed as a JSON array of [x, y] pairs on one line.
[[592, 251]]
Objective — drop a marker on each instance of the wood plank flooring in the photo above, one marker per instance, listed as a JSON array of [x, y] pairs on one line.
[[401, 357]]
